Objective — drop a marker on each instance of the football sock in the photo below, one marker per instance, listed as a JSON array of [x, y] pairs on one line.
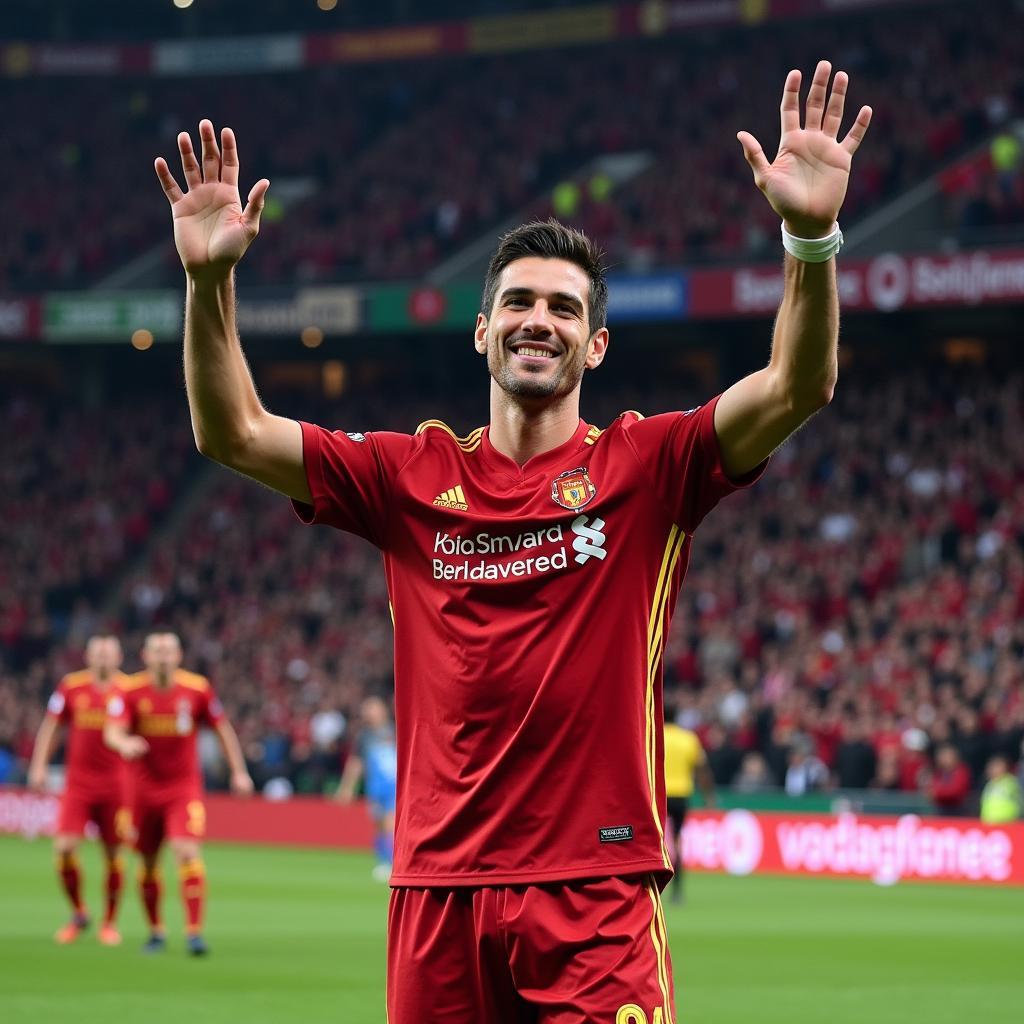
[[193, 893], [115, 883], [149, 886], [70, 872]]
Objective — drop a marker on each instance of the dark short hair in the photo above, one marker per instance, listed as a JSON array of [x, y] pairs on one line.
[[551, 240]]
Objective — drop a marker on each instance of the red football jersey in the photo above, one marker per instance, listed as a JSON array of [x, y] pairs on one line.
[[530, 608], [92, 768], [168, 718]]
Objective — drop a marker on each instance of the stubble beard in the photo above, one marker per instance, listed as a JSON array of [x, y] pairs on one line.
[[565, 380]]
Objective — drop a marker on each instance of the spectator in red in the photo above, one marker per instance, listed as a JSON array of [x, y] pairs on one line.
[[951, 783]]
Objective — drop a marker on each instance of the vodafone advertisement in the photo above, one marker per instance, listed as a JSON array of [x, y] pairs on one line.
[[884, 850]]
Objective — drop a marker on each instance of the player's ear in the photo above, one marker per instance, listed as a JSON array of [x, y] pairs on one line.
[[480, 334], [596, 348]]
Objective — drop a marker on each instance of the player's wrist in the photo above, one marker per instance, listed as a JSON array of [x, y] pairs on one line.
[[812, 247]]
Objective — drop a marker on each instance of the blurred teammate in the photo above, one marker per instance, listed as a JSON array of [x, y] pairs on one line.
[[375, 761], [532, 568], [685, 761], [153, 719], [94, 782]]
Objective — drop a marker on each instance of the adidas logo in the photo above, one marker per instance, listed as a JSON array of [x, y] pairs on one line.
[[452, 498]]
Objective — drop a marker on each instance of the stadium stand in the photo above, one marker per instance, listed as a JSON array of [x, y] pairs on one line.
[[482, 155]]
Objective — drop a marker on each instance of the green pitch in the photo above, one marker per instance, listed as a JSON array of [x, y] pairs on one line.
[[299, 936]]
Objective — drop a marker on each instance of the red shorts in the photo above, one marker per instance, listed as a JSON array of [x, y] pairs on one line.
[[579, 952], [112, 818], [179, 816]]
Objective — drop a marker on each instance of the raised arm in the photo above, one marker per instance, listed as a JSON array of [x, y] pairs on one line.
[[805, 185], [212, 232]]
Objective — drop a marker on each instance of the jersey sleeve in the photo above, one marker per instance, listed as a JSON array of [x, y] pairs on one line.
[[57, 706], [350, 477], [680, 454]]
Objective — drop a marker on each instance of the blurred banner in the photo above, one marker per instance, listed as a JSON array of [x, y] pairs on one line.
[[884, 849], [884, 284], [299, 821], [542, 29], [493, 34]]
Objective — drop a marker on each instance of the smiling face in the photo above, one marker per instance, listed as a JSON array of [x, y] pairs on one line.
[[537, 337]]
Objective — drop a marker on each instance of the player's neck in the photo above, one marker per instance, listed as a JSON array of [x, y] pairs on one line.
[[521, 430], [162, 682]]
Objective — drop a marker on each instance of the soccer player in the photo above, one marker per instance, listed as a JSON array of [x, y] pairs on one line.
[[685, 761], [376, 761], [532, 567], [94, 782], [153, 718]]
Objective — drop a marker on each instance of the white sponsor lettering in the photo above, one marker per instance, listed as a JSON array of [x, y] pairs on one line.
[[490, 544], [493, 556], [887, 852], [28, 815], [483, 570], [733, 843]]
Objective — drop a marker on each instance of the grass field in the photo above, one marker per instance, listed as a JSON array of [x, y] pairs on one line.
[[299, 936]]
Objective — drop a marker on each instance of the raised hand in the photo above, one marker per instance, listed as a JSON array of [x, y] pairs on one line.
[[211, 230], [806, 182]]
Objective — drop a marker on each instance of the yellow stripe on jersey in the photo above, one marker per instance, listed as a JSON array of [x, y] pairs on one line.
[[660, 941], [655, 631], [468, 444], [592, 435], [665, 965]]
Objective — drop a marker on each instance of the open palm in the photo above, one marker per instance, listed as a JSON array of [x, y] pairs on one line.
[[806, 183], [211, 229]]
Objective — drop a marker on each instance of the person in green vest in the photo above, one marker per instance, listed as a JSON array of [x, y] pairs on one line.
[[1001, 797]]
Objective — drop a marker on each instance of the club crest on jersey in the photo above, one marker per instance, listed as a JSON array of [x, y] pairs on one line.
[[573, 489]]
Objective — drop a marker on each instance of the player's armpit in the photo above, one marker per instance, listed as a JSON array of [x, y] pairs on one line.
[[271, 455], [756, 415]]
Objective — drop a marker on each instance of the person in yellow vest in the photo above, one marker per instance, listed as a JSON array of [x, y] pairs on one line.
[[685, 764], [1001, 797]]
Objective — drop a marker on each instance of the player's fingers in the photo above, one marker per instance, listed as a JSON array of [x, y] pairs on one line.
[[255, 203], [790, 108], [836, 102], [754, 155], [859, 128], [229, 157], [170, 186], [816, 96], [211, 155], [189, 164]]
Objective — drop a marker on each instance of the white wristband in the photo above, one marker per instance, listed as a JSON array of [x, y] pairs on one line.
[[813, 250]]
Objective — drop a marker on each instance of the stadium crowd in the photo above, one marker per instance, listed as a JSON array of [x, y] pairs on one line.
[[486, 152], [856, 620]]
